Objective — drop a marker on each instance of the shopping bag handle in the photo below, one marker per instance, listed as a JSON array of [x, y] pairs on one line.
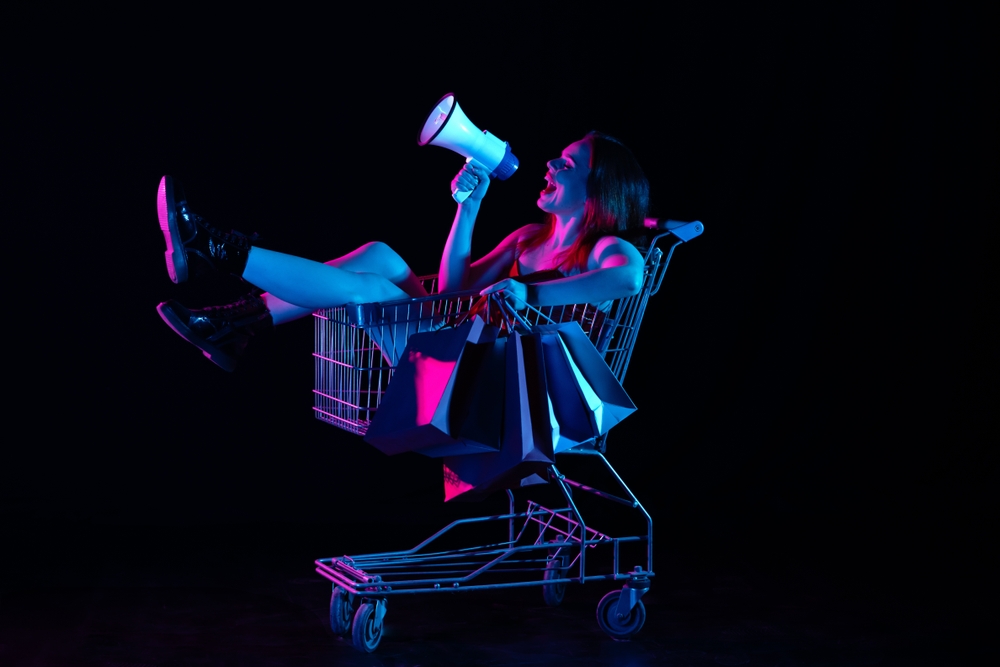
[[512, 320], [515, 321]]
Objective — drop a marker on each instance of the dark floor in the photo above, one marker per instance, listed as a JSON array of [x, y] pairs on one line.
[[231, 597]]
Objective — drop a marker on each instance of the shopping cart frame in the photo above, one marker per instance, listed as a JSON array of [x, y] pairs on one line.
[[355, 351]]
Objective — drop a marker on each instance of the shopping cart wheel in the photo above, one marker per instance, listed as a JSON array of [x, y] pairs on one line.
[[341, 611], [553, 594], [367, 629], [621, 629]]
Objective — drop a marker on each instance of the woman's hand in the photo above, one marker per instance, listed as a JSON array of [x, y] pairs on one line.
[[515, 292], [472, 179]]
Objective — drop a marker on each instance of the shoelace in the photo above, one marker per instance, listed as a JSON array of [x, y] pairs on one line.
[[240, 239], [244, 306]]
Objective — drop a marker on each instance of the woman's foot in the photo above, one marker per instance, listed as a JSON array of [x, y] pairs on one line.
[[222, 333], [188, 236]]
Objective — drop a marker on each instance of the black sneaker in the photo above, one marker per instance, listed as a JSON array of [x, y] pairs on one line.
[[222, 333], [187, 234]]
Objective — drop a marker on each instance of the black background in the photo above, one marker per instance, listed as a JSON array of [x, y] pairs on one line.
[[816, 382]]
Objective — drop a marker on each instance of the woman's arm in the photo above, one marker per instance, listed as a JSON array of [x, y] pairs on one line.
[[614, 270], [453, 274], [457, 272]]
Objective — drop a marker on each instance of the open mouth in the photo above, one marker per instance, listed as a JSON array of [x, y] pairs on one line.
[[549, 188]]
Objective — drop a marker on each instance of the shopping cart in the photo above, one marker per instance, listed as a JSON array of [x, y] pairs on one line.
[[357, 347]]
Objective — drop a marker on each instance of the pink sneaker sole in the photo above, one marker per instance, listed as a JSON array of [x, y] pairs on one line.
[[167, 212]]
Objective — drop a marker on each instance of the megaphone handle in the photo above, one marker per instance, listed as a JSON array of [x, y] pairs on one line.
[[461, 195]]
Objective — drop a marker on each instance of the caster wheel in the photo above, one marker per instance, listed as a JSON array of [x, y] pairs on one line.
[[341, 611], [366, 632], [553, 594], [620, 629]]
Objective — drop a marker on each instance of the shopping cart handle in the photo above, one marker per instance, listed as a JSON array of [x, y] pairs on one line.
[[685, 231]]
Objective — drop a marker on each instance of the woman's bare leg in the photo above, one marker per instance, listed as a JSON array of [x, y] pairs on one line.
[[296, 286]]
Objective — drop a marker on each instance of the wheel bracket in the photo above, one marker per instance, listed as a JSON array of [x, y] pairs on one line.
[[632, 592], [380, 610]]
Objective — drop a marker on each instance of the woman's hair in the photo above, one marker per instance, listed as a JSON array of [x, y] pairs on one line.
[[617, 200]]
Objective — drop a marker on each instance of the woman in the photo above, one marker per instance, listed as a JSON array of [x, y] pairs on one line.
[[595, 194]]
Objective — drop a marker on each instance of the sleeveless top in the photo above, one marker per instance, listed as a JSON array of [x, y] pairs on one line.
[[546, 275]]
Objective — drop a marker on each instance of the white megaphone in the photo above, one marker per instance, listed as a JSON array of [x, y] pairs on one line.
[[448, 126]]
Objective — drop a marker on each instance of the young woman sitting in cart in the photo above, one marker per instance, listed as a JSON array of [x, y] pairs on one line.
[[595, 194]]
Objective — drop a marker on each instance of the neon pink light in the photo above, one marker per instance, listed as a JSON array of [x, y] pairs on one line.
[[430, 379], [453, 486]]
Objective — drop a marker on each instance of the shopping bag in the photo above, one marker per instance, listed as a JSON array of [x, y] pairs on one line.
[[529, 429], [587, 398], [439, 378], [573, 401], [475, 407]]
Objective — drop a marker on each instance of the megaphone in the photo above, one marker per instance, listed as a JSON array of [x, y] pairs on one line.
[[448, 126]]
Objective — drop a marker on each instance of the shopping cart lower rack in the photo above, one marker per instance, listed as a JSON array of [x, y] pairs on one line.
[[356, 351]]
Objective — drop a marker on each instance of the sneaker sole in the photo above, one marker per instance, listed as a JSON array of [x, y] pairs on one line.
[[215, 355], [166, 211]]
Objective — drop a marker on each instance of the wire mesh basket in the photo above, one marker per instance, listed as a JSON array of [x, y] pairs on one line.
[[357, 346]]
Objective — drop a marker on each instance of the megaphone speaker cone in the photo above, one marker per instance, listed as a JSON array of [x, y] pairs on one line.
[[437, 119], [447, 126]]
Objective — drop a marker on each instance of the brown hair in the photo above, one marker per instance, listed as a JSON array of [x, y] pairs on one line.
[[617, 200]]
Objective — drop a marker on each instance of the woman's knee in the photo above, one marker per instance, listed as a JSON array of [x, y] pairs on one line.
[[374, 257], [382, 251], [388, 260]]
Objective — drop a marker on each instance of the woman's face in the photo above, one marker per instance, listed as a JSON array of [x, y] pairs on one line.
[[566, 180]]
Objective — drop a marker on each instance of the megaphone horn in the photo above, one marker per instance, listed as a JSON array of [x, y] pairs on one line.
[[447, 126]]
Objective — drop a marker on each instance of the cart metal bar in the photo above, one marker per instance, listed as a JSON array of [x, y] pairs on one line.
[[372, 568], [527, 520], [390, 589], [340, 363], [357, 574], [383, 591], [399, 571], [457, 522], [662, 269], [362, 567], [510, 522], [583, 533], [541, 531], [339, 563], [530, 515], [331, 416], [572, 529], [494, 570], [338, 567], [368, 580], [568, 534], [535, 509], [638, 505], [602, 494], [332, 398], [685, 231]]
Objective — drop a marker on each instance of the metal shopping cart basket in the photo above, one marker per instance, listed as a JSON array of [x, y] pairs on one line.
[[355, 357]]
